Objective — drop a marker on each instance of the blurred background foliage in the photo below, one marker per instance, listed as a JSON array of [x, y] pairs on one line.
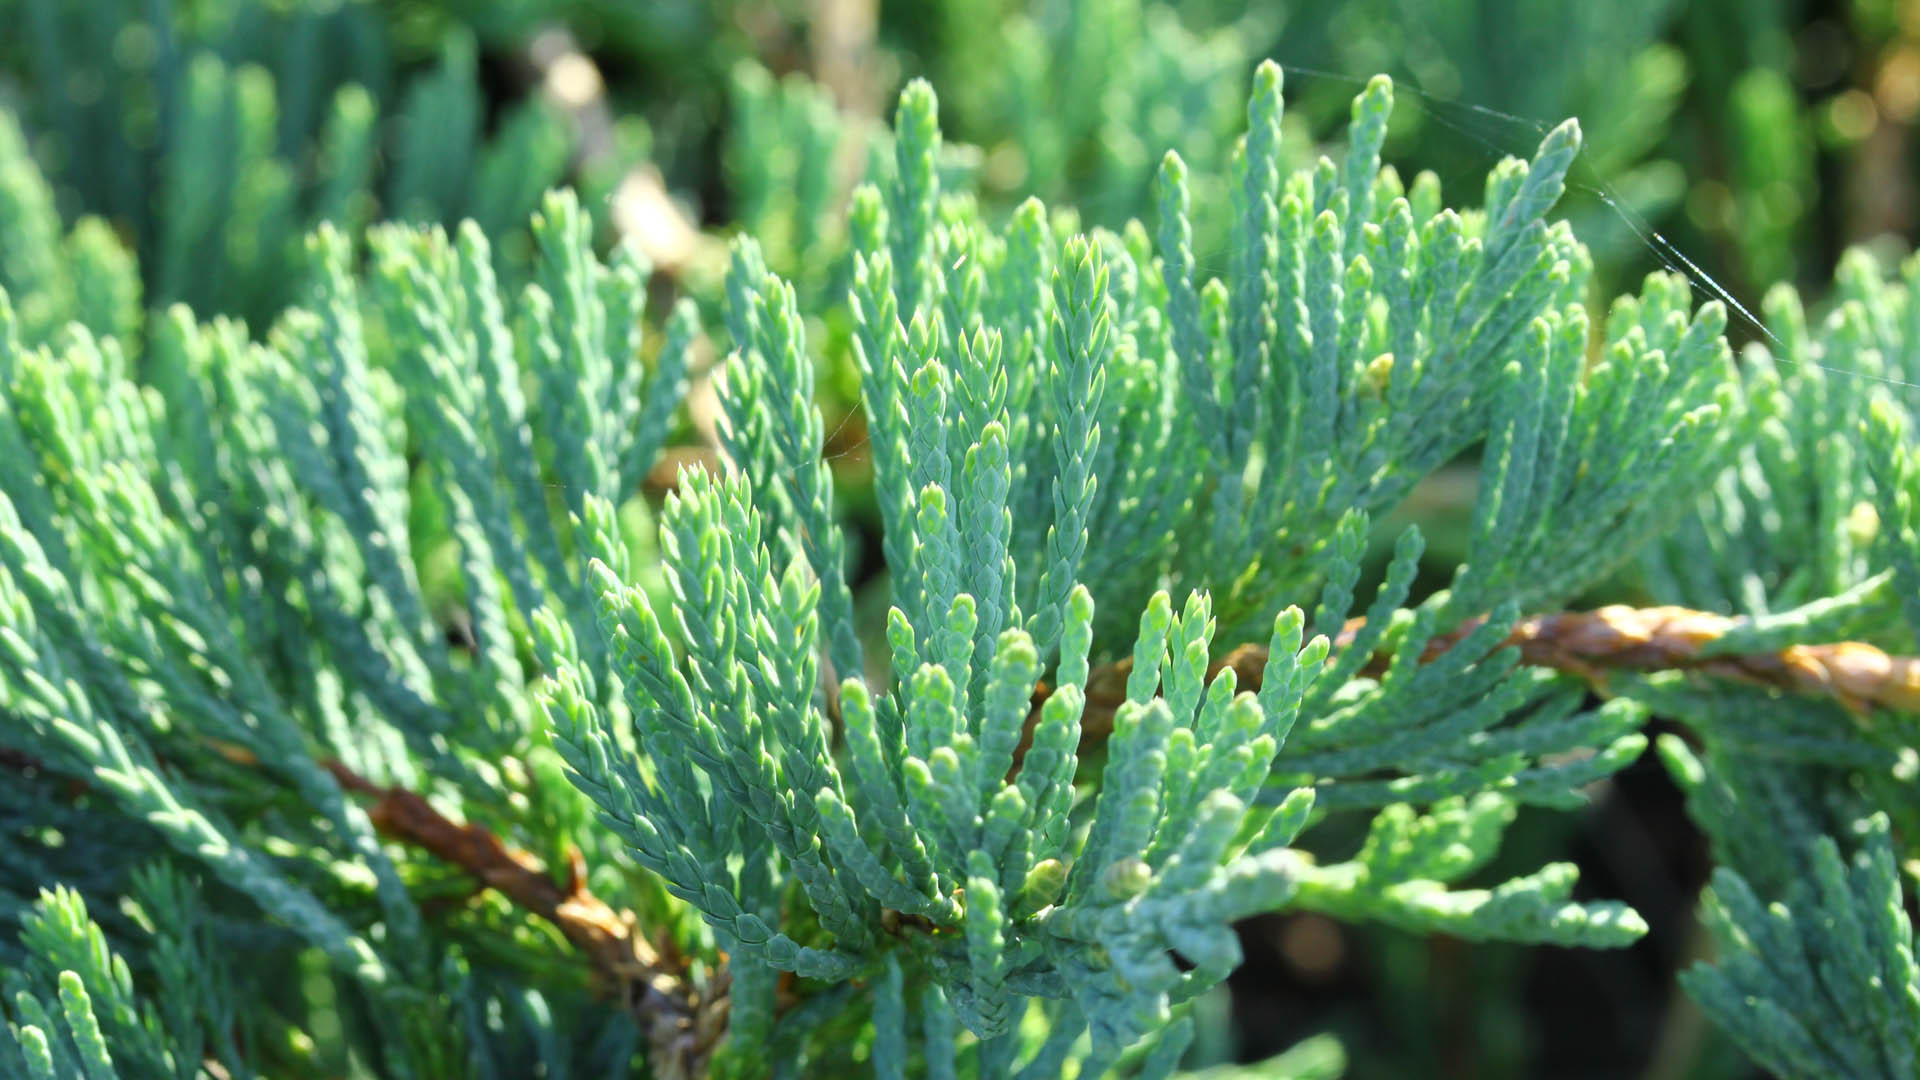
[[1758, 137], [154, 151]]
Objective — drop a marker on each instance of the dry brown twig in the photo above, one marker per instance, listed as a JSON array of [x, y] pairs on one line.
[[1591, 645], [682, 1022]]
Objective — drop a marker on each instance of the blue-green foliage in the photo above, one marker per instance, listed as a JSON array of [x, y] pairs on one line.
[[922, 851], [1362, 339], [1790, 523], [218, 577], [82, 276], [213, 147], [1810, 535], [785, 163], [1056, 417], [1824, 983], [1145, 80]]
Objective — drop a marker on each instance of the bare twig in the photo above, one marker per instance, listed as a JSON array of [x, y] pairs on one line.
[[1593, 644], [1858, 676], [682, 1022]]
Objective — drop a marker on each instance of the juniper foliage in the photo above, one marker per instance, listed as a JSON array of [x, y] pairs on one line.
[[214, 148], [930, 846], [1811, 535]]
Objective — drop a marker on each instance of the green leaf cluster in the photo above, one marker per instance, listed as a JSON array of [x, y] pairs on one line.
[[397, 535]]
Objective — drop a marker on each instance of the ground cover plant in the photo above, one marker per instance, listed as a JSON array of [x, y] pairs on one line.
[[395, 685]]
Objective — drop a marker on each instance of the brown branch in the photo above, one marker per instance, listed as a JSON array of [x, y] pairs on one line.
[[682, 1022], [1858, 676], [1591, 645]]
